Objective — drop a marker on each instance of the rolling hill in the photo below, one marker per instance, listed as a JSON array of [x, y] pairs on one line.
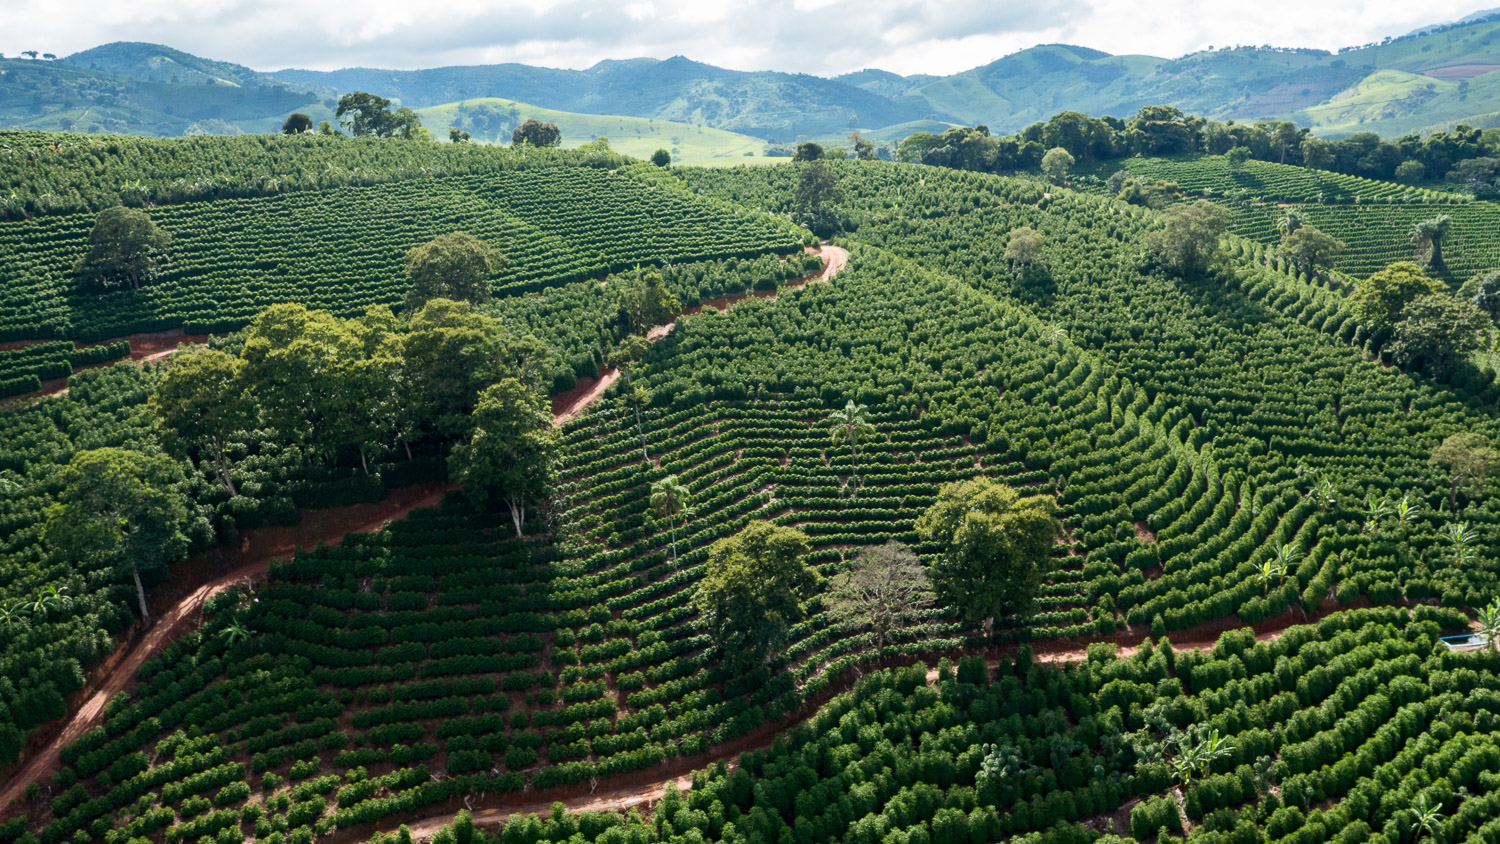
[[492, 119]]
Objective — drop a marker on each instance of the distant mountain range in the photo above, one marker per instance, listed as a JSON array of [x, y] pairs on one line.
[[1438, 76]]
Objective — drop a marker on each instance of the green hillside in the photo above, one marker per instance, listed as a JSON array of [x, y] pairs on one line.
[[491, 120]]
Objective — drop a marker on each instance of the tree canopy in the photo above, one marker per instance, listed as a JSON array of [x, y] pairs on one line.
[[1311, 248], [296, 124], [994, 546], [454, 266], [1378, 301], [649, 302], [884, 588], [202, 403], [510, 451], [118, 511], [1188, 242], [753, 590], [808, 151], [1437, 331], [1469, 461], [661, 158], [536, 133], [366, 114], [124, 245], [1055, 164], [1483, 291]]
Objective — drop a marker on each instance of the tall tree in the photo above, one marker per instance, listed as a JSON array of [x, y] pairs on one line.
[[851, 426], [649, 303], [124, 245], [365, 114], [510, 451], [1188, 241], [118, 508], [669, 500], [536, 133], [884, 589], [294, 359], [297, 124], [202, 403], [1311, 248], [808, 151], [994, 547], [1483, 291], [1378, 300], [661, 158], [1469, 461], [1427, 238], [623, 358], [864, 148], [1055, 164], [753, 590], [1438, 331], [454, 266], [1024, 247]]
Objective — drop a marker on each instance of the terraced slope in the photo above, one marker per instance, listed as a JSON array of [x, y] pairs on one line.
[[342, 249]]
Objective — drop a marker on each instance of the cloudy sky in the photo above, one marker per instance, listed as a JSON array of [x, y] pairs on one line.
[[825, 37]]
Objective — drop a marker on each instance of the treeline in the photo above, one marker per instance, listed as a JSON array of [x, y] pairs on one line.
[[1467, 156]]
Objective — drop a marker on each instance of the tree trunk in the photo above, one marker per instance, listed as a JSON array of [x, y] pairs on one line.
[[1453, 496], [673, 524], [364, 464], [140, 592], [221, 468], [407, 445], [517, 513], [639, 429]]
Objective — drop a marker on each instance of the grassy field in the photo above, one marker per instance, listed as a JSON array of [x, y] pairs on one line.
[[633, 136]]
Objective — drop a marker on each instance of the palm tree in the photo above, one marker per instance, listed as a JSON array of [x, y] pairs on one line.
[[1429, 817], [1429, 234], [1464, 538], [1290, 223], [851, 426], [1489, 623], [669, 499]]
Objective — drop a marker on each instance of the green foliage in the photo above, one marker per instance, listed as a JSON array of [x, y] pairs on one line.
[[509, 452], [994, 547], [124, 245], [753, 589], [1188, 242], [1437, 332], [536, 133], [661, 158], [454, 266], [1379, 300]]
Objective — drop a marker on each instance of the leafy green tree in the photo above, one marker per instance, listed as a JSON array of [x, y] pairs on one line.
[[407, 124], [1378, 301], [1483, 291], [202, 403], [1410, 172], [510, 451], [994, 547], [851, 426], [1024, 247], [916, 146], [457, 135], [661, 158], [753, 590], [884, 589], [817, 187], [669, 500], [649, 302], [454, 266], [297, 124], [1237, 157], [1311, 248], [449, 353], [864, 148], [1055, 164], [1188, 241], [365, 114], [808, 151], [1468, 460], [119, 509], [124, 245], [536, 133], [294, 362], [1427, 238], [1290, 222], [1438, 331]]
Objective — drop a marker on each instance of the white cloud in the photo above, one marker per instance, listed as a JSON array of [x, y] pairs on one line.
[[812, 36]]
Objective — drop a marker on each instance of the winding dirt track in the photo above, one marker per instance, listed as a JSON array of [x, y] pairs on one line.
[[175, 605]]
